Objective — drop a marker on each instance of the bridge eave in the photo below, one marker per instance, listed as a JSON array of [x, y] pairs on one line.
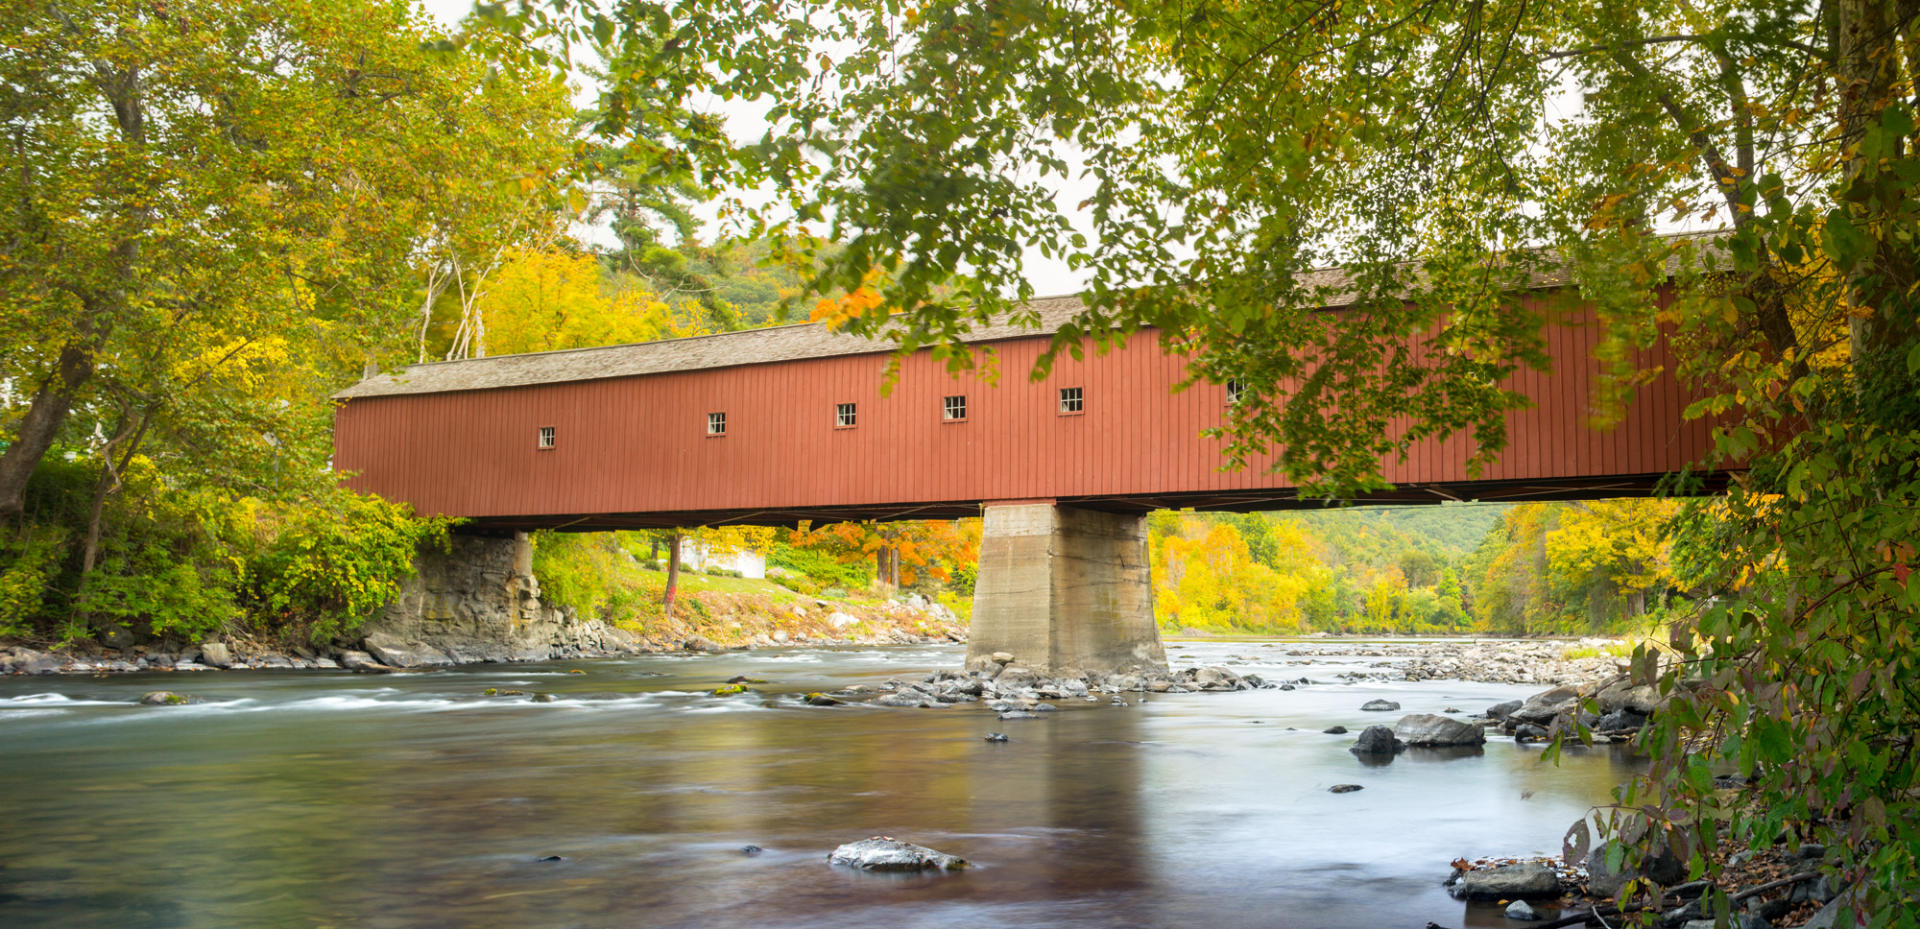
[[1237, 501]]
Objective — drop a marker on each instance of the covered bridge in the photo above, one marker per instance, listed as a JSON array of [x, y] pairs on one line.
[[773, 426]]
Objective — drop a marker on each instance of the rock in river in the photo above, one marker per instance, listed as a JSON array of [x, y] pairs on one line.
[[1380, 706], [1426, 729], [1376, 740], [164, 698], [884, 853], [1542, 707], [1531, 880]]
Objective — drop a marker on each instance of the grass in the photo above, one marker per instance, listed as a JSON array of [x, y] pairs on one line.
[[1622, 648], [694, 581]]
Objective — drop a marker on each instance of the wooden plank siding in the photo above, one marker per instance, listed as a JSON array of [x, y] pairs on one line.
[[633, 451]]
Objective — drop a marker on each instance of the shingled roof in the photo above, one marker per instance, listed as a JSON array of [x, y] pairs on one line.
[[721, 350]]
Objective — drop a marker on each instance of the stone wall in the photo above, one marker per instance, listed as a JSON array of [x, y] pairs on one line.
[[479, 601]]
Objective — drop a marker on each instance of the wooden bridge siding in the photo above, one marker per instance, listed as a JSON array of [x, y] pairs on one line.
[[639, 444]]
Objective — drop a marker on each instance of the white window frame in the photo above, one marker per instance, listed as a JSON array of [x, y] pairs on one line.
[[544, 439], [716, 424], [845, 415], [1073, 401], [1235, 391], [953, 409]]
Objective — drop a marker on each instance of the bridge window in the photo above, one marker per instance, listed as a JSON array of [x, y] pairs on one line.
[[1234, 391], [954, 409], [843, 416], [716, 424], [1071, 401], [545, 442]]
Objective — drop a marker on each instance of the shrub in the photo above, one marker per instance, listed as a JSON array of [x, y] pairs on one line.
[[822, 567], [329, 565]]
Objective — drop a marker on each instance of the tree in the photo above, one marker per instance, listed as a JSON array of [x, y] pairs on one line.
[[1446, 156], [1419, 567], [214, 214], [175, 216], [901, 551], [542, 301]]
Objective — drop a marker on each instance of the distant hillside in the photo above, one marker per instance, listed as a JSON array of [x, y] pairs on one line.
[[1377, 535]]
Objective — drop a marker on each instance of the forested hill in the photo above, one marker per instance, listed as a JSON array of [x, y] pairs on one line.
[[1453, 568], [1369, 534]]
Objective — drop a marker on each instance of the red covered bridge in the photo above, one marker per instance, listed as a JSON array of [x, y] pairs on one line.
[[771, 426]]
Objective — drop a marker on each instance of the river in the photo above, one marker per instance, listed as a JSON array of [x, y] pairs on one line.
[[322, 799]]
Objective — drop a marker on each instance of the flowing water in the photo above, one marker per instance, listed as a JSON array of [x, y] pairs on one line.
[[309, 799]]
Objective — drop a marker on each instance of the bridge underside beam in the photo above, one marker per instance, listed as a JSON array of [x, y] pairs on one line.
[[1581, 488], [1063, 591]]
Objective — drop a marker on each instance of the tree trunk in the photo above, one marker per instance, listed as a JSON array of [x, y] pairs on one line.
[[46, 414], [109, 484], [1869, 61], [673, 573]]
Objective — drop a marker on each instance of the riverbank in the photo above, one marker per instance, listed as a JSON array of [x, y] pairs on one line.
[[705, 621]]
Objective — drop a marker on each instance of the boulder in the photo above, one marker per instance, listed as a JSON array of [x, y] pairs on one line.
[[1376, 740], [1380, 706], [1544, 706], [1502, 710], [1344, 788], [839, 620], [884, 853], [1216, 679], [163, 698], [216, 654], [1426, 729], [1527, 881], [1335, 730], [398, 654], [28, 661], [355, 660], [1621, 720], [1528, 732], [1623, 694], [1664, 869], [698, 643], [1519, 909]]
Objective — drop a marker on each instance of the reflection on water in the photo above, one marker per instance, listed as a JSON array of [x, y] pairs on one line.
[[309, 799]]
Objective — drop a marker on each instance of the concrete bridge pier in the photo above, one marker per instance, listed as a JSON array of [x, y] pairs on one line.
[[1064, 590]]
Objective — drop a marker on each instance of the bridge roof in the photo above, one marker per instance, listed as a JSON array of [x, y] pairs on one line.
[[720, 350]]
